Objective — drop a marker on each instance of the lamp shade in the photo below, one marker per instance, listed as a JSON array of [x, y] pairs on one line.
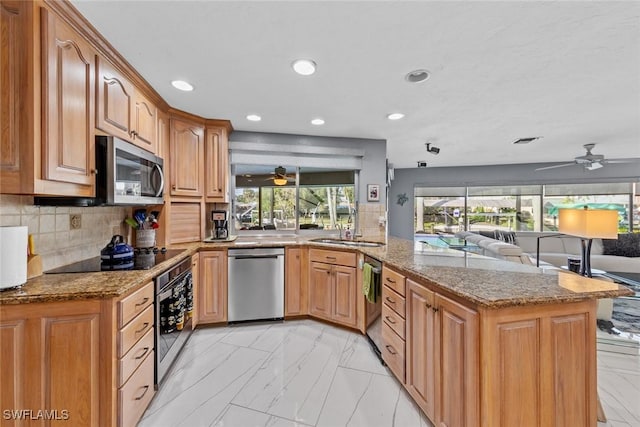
[[589, 223], [280, 181]]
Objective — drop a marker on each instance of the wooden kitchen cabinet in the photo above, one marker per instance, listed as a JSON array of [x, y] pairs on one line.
[[442, 357], [186, 158], [122, 110], [212, 294], [332, 286], [296, 283], [216, 165], [420, 378], [93, 359], [47, 135], [51, 359]]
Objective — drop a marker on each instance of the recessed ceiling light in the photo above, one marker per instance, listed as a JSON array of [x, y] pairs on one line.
[[395, 116], [182, 85], [304, 67], [254, 117], [317, 122], [417, 76]]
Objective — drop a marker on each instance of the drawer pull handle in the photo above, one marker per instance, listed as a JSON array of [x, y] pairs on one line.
[[331, 258], [390, 300], [390, 280], [391, 350], [143, 302], [144, 327], [144, 353], [390, 320], [146, 389]]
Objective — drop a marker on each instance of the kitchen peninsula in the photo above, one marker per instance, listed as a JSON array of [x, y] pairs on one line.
[[486, 342]]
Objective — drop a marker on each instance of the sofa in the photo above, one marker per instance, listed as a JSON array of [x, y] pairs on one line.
[[609, 255]]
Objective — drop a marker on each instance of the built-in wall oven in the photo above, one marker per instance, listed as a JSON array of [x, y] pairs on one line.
[[174, 312]]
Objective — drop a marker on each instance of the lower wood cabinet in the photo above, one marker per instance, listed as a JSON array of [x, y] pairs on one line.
[[212, 293], [90, 360], [195, 272], [296, 284], [333, 287]]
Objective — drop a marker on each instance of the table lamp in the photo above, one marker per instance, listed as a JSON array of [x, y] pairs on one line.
[[588, 224]]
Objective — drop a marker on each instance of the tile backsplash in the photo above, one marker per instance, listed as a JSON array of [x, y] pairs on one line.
[[372, 221], [54, 239]]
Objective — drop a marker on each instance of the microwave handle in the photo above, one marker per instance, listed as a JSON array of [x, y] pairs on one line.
[[159, 193]]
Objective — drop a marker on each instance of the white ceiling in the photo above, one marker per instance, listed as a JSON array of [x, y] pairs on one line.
[[567, 71]]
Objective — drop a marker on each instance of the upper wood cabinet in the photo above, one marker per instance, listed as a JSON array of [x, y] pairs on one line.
[[122, 110], [47, 136], [216, 165], [187, 158], [68, 99]]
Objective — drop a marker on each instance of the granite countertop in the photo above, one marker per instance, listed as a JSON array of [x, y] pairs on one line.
[[484, 281]]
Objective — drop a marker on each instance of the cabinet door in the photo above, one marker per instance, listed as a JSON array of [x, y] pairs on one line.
[[195, 271], [216, 165], [144, 123], [13, 374], [296, 288], [320, 290], [68, 104], [187, 159], [345, 293], [115, 98], [212, 305], [16, 134], [420, 381], [457, 381]]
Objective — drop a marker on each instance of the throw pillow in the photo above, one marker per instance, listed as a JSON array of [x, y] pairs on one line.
[[627, 245], [507, 236]]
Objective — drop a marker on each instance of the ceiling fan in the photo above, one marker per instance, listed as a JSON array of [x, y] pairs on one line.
[[590, 161], [280, 177]]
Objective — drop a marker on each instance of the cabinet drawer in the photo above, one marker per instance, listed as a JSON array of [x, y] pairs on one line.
[[393, 351], [135, 395], [333, 257], [134, 304], [134, 357], [393, 320], [393, 280], [394, 301], [136, 329]]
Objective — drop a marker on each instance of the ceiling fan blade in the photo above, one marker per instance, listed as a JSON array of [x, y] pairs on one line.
[[622, 160], [556, 166]]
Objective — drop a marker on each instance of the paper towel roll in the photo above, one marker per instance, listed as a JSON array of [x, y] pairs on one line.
[[13, 256]]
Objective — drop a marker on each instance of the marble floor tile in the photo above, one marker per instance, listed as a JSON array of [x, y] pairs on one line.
[[309, 373], [197, 392], [358, 354], [294, 380], [238, 416]]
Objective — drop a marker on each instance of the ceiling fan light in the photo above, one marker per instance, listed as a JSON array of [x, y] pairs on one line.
[[593, 166], [280, 181]]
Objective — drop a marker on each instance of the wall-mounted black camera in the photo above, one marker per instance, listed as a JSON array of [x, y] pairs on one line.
[[434, 150]]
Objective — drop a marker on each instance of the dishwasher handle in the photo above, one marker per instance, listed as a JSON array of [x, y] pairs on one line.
[[255, 256]]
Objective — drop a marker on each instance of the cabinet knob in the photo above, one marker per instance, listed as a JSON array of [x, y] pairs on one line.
[[94, 171], [435, 310], [173, 187], [428, 305]]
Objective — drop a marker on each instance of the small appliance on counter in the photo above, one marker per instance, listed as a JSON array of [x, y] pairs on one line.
[[117, 255], [13, 256], [220, 230]]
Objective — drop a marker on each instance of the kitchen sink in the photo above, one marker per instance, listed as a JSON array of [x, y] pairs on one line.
[[348, 242]]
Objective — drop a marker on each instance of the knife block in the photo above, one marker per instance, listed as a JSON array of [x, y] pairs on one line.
[[34, 266]]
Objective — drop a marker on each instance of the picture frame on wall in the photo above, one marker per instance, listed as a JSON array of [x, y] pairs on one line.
[[373, 193]]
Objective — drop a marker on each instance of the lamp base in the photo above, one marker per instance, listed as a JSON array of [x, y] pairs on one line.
[[585, 264]]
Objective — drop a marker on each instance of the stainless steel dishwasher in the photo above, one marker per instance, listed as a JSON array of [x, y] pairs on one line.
[[256, 284]]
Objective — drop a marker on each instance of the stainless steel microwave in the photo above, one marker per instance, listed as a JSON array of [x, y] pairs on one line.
[[127, 175]]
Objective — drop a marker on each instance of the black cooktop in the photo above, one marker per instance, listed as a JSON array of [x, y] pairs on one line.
[[143, 259]]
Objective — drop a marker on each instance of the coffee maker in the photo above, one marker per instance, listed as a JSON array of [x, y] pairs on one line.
[[220, 225]]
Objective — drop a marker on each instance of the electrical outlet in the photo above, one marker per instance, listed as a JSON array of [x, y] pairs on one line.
[[75, 221]]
